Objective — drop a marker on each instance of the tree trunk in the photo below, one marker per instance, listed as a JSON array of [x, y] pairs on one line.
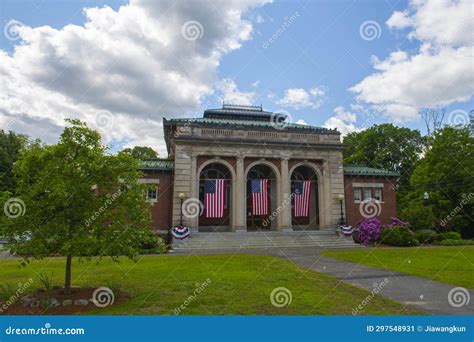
[[67, 282]]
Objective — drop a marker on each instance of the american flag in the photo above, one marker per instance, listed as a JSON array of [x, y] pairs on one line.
[[214, 197], [259, 196], [301, 192]]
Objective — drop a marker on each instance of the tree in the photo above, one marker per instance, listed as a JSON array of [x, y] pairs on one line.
[[10, 146], [446, 173], [385, 146], [141, 152], [433, 118], [78, 200]]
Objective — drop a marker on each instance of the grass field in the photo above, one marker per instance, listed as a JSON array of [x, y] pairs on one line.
[[452, 265], [236, 284]]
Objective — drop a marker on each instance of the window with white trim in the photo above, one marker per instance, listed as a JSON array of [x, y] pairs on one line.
[[367, 193], [152, 194], [357, 194], [378, 194]]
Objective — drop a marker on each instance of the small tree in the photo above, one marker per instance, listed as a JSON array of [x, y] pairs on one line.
[[141, 152], [78, 200]]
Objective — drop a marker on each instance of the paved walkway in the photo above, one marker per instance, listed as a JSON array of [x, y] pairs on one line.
[[420, 293]]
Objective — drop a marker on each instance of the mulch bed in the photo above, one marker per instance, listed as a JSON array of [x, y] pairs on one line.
[[76, 293]]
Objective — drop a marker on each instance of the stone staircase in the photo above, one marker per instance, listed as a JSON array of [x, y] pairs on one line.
[[216, 241]]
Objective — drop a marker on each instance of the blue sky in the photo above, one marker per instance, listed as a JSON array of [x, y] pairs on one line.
[[318, 54]]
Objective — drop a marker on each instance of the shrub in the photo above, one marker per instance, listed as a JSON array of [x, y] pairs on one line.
[[369, 230], [449, 236], [426, 235], [395, 221], [398, 236], [455, 242], [46, 280], [152, 244], [7, 291]]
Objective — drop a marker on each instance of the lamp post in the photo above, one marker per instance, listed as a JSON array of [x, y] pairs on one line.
[[181, 197], [340, 197]]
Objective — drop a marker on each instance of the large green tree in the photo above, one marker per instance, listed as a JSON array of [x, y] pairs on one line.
[[10, 146], [73, 199], [141, 152], [385, 146], [446, 173]]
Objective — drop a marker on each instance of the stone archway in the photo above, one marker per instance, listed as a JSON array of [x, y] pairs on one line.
[[263, 169], [217, 168], [310, 171]]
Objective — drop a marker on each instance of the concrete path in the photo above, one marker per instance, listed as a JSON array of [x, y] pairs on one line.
[[423, 294]]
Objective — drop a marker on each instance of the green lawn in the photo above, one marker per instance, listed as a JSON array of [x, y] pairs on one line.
[[452, 265], [239, 284]]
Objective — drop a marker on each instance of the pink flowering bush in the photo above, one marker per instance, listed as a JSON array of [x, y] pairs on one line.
[[369, 230], [396, 222]]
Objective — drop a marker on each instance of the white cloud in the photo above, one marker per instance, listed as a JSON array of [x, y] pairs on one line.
[[256, 84], [343, 121], [301, 122], [300, 98], [440, 73], [134, 62], [231, 94]]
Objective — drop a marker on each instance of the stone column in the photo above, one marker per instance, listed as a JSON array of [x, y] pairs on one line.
[[327, 201], [285, 206], [240, 196], [194, 193]]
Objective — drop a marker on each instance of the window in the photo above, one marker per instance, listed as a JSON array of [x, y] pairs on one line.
[[357, 194], [378, 194], [367, 193], [152, 194]]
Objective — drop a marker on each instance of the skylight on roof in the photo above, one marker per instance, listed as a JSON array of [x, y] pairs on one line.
[[242, 107]]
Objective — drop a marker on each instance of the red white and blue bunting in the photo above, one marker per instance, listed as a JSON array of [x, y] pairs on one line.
[[180, 232], [346, 230]]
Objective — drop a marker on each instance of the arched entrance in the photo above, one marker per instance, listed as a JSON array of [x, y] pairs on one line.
[[262, 197], [305, 213], [210, 183]]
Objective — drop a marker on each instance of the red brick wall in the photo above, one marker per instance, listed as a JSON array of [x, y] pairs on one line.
[[161, 210], [386, 209]]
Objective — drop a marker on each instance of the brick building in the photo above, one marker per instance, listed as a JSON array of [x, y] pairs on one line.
[[242, 143]]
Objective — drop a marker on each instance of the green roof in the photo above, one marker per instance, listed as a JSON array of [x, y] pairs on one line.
[[157, 164], [362, 170], [234, 123]]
